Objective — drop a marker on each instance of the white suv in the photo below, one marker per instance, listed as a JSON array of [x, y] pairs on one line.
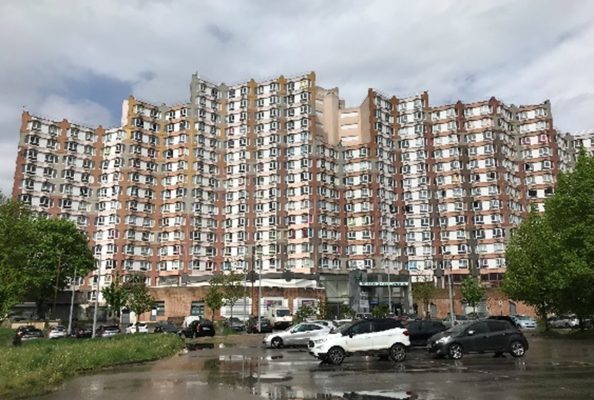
[[371, 336]]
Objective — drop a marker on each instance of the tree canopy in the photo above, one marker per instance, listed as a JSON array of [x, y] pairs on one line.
[[138, 297], [472, 291], [424, 292], [550, 258], [38, 256]]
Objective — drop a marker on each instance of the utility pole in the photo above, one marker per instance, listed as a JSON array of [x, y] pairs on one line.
[[72, 303], [389, 291], [450, 296], [97, 298], [56, 286]]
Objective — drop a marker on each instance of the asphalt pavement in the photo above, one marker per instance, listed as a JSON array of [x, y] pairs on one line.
[[242, 369]]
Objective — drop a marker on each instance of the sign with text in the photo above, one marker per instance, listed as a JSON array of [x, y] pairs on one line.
[[378, 284]]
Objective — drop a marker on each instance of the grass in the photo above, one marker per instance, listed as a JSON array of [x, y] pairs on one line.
[[38, 366], [6, 336]]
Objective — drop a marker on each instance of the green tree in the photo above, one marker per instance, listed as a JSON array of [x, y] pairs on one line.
[[570, 214], [472, 291], [232, 289], [17, 240], [534, 260], [304, 312], [424, 292], [214, 298], [116, 296], [381, 311], [58, 250], [139, 299]]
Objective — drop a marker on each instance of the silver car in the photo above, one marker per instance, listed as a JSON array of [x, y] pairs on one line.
[[296, 335]]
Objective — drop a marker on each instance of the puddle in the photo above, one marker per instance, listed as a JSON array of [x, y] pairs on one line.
[[199, 346]]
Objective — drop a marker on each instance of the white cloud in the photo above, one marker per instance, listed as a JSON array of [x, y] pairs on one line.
[[521, 52]]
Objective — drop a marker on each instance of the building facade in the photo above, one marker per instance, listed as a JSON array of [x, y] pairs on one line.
[[279, 180]]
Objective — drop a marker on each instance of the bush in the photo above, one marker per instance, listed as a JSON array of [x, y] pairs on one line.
[[37, 366]]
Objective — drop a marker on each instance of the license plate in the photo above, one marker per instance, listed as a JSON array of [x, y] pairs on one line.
[[205, 328]]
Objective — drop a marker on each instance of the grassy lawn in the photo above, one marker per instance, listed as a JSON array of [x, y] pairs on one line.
[[38, 366]]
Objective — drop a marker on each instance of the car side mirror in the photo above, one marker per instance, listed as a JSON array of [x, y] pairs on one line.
[[293, 331], [351, 334]]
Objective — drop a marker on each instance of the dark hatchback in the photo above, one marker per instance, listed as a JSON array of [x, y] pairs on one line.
[[29, 332], [252, 325], [482, 336], [421, 330], [165, 327], [198, 328]]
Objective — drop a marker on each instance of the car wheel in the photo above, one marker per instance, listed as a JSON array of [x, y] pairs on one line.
[[398, 352], [517, 349], [276, 342], [455, 351], [335, 355]]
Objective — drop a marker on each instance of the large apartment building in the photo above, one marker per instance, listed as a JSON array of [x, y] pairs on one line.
[[282, 181]]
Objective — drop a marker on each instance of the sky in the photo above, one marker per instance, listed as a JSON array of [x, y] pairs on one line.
[[79, 59]]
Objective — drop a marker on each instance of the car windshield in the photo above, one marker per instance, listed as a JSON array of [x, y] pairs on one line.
[[523, 317], [282, 313]]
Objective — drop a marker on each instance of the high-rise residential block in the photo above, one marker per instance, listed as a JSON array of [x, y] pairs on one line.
[[280, 180]]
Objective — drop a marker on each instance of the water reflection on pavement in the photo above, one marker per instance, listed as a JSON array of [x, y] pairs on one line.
[[551, 369]]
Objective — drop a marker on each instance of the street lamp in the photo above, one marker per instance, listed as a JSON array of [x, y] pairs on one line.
[[450, 294], [72, 303]]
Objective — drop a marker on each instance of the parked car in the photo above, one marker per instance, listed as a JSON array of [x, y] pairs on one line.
[[198, 328], [29, 332], [137, 328], [235, 324], [483, 336], [296, 335], [421, 330], [383, 337], [524, 321], [82, 333], [564, 321], [252, 325], [165, 327], [108, 331], [56, 332]]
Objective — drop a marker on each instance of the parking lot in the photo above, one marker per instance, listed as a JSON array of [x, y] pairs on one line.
[[552, 369]]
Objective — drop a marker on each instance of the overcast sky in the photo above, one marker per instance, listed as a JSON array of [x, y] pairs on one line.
[[79, 59]]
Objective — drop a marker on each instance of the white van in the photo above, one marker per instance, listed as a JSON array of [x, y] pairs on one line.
[[280, 317]]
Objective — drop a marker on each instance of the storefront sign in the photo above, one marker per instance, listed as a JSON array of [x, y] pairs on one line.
[[379, 284]]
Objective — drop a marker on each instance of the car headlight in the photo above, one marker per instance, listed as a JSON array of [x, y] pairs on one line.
[[444, 340], [319, 341]]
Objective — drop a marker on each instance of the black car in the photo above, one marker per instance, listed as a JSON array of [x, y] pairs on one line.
[[482, 336], [83, 333], [252, 325], [29, 332], [166, 327], [421, 330], [198, 328]]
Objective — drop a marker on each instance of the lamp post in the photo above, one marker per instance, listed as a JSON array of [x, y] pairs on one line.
[[389, 290], [450, 294], [259, 251], [97, 298], [72, 302]]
